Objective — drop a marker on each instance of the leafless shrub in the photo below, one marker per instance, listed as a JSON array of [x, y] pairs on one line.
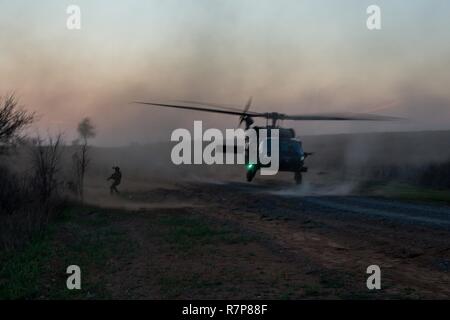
[[13, 119], [28, 199], [21, 215], [10, 191], [436, 175], [46, 166], [430, 174]]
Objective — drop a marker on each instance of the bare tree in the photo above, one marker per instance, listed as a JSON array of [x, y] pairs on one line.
[[46, 165], [13, 119], [86, 131], [29, 198]]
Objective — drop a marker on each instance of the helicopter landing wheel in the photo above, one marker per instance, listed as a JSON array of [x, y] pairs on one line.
[[298, 178], [250, 175]]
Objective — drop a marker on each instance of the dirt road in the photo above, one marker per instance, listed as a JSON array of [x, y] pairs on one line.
[[301, 246]]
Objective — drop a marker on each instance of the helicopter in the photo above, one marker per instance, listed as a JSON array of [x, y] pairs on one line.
[[291, 153]]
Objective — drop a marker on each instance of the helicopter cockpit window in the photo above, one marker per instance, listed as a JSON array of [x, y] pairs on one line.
[[291, 148]]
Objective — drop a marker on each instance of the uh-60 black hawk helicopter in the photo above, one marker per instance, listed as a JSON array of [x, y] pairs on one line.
[[291, 154]]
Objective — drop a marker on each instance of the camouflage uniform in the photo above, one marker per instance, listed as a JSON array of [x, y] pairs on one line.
[[116, 177]]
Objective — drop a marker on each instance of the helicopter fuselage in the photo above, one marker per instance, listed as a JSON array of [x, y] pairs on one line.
[[291, 154]]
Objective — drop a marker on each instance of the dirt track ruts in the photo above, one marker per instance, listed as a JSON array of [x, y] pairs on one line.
[[409, 241], [315, 235]]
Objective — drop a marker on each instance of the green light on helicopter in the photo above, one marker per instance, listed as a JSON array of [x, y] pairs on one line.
[[250, 166]]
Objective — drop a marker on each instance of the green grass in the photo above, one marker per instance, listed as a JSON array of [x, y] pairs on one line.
[[189, 232], [90, 238], [188, 236], [76, 237], [20, 273], [409, 192]]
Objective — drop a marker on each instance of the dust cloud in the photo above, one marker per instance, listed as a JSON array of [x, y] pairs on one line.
[[313, 189]]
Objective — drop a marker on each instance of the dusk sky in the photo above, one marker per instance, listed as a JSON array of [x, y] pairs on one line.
[[292, 56]]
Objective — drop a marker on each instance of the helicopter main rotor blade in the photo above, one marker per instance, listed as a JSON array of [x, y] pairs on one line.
[[237, 113], [337, 117], [216, 105], [275, 115]]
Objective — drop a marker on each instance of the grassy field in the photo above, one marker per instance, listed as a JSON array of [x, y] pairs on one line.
[[184, 252], [403, 191], [102, 242], [156, 254], [81, 236]]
